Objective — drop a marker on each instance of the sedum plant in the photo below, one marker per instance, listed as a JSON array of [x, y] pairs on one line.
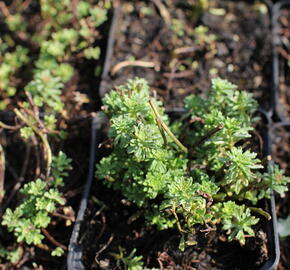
[[68, 33], [63, 38], [195, 170], [10, 63]]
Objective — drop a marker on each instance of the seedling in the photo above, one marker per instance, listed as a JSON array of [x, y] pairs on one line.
[[195, 170], [129, 262], [40, 200]]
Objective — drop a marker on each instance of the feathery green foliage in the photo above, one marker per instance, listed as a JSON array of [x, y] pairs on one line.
[[128, 262], [40, 200], [212, 181]]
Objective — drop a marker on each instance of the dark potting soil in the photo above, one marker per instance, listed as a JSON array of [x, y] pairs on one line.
[[283, 48], [113, 224], [182, 59]]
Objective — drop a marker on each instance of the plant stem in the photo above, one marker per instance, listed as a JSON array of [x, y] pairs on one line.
[[48, 154], [165, 127], [105, 246], [163, 11], [135, 63], [208, 135], [52, 240], [2, 125], [161, 131], [172, 210], [44, 247]]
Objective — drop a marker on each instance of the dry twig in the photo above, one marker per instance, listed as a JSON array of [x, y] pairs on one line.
[[163, 11], [4, 9], [104, 247], [136, 63], [20, 178], [165, 127], [47, 150], [52, 240]]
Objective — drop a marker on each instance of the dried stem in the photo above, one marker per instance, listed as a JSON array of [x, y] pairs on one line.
[[37, 156], [2, 125], [24, 5], [48, 154], [4, 9], [104, 247], [20, 178], [63, 216], [52, 240], [161, 131], [163, 11], [136, 63], [44, 247], [165, 127]]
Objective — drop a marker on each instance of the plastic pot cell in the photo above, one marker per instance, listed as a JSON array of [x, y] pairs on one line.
[[76, 251]]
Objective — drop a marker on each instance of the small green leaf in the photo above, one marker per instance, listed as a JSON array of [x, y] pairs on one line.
[[182, 243], [92, 53], [58, 252], [26, 132]]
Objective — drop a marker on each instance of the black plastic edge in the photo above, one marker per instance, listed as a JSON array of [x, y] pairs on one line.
[[272, 232], [271, 134], [275, 11], [74, 258], [110, 49]]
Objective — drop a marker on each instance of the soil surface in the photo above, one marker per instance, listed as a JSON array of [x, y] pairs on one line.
[[115, 224], [181, 58]]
